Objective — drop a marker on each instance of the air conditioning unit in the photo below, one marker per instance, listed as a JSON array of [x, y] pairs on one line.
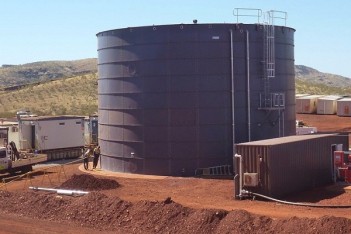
[[251, 179]]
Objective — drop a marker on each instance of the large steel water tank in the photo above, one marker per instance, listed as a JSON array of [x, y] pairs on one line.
[[165, 94]]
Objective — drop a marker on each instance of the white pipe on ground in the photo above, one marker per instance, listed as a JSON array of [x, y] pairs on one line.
[[60, 191]]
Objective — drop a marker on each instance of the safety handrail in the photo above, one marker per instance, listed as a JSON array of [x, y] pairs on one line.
[[283, 17], [259, 13]]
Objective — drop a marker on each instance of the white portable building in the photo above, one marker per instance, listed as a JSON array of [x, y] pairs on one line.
[[307, 104], [327, 105], [344, 107], [51, 132], [9, 132], [298, 95], [305, 130]]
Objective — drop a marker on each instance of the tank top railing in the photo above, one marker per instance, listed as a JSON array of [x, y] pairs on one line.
[[247, 12], [263, 17]]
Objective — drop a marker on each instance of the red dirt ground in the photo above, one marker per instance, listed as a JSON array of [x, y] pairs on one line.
[[122, 203], [327, 123]]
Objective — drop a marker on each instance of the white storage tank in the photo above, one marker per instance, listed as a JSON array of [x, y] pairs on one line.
[[343, 107], [327, 105], [307, 104]]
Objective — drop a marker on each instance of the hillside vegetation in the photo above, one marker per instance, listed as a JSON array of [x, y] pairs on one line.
[[312, 81], [75, 95], [70, 87], [314, 88]]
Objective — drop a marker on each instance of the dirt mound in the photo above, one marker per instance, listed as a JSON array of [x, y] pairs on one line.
[[89, 183], [104, 213]]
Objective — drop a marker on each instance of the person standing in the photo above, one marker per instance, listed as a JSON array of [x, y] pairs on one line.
[[86, 157], [96, 156]]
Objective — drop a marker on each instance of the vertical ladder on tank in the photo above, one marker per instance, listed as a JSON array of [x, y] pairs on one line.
[[268, 60], [271, 101]]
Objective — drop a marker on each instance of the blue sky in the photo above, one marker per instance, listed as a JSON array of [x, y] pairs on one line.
[[45, 30]]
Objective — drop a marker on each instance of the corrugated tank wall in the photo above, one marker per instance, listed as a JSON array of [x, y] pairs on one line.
[[165, 102], [291, 165]]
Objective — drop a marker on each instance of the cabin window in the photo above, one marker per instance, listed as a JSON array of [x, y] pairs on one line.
[[78, 122], [3, 154], [61, 123]]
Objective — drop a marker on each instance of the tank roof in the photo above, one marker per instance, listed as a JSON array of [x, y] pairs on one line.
[[182, 24]]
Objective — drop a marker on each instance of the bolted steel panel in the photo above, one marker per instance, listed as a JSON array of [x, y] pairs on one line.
[[165, 93]]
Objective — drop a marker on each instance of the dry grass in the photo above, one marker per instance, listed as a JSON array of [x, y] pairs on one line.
[[75, 95]]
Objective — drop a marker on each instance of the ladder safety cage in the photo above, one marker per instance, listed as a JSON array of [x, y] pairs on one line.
[[269, 48]]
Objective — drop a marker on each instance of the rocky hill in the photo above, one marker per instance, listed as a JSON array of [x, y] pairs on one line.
[[70, 87], [307, 74], [12, 75]]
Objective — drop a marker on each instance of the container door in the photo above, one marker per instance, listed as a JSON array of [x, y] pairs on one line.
[[94, 130], [335, 147], [32, 143]]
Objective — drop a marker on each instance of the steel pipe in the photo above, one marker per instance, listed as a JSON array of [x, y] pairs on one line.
[[60, 191]]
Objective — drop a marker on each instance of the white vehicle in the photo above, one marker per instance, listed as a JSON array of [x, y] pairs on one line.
[[23, 164]]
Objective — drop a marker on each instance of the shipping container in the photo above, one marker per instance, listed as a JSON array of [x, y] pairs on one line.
[[284, 166], [344, 107], [327, 105], [307, 104]]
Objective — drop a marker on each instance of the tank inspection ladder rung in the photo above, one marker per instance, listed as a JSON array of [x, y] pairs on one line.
[[269, 45]]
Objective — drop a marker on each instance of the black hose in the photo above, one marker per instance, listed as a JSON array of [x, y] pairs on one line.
[[300, 204]]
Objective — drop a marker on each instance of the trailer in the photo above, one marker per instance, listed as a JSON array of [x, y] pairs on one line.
[[60, 137], [9, 132], [327, 105], [23, 162], [344, 107], [307, 104], [298, 95]]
